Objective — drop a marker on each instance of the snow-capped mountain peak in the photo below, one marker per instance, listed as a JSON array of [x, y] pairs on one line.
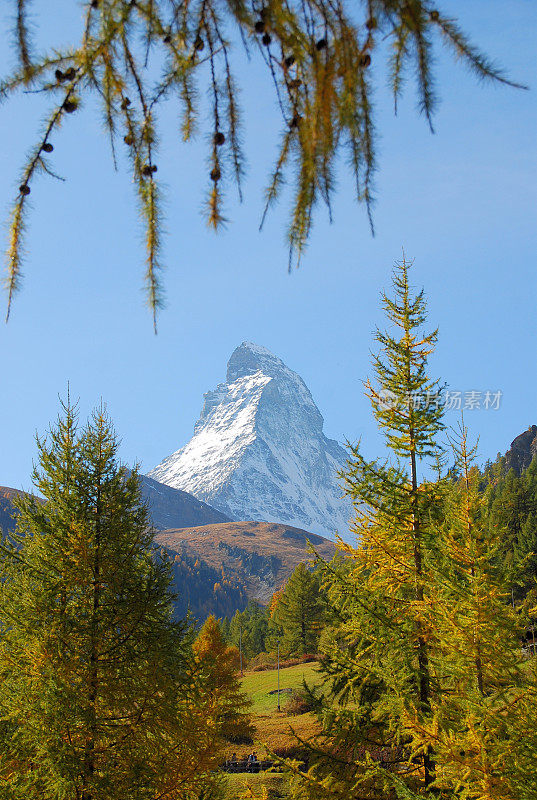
[[259, 452]]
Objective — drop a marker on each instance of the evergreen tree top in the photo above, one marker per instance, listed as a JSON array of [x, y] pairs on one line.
[[406, 403]]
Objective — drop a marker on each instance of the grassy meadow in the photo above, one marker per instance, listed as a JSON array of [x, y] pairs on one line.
[[274, 729], [244, 786], [257, 685]]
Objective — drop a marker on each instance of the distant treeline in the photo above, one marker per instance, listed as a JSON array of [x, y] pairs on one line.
[[202, 590]]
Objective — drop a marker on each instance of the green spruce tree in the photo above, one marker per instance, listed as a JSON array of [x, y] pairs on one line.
[[511, 506], [299, 613], [248, 630], [98, 693]]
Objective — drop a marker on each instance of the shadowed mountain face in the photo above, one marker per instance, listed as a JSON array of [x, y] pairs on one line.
[[259, 450], [257, 556], [169, 508], [522, 451], [7, 521], [172, 508]]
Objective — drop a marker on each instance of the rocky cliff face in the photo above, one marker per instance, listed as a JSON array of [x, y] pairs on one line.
[[522, 451], [259, 451]]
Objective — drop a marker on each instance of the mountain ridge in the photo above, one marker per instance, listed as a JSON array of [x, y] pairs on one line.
[[168, 507], [218, 567]]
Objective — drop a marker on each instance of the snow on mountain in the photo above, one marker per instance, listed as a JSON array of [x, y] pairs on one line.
[[259, 452]]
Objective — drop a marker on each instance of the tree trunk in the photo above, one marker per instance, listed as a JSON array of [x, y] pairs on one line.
[[89, 755], [423, 656]]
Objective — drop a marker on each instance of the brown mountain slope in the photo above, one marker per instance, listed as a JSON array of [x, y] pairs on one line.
[[259, 556]]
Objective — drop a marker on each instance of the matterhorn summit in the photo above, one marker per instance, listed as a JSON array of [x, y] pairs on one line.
[[259, 452]]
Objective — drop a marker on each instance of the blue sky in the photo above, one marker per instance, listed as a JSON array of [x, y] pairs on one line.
[[462, 203]]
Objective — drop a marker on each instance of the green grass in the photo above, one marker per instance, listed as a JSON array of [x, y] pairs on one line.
[[273, 727], [275, 783], [258, 684]]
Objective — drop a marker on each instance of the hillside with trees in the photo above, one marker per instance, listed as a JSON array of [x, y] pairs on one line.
[[255, 558], [201, 590], [216, 568]]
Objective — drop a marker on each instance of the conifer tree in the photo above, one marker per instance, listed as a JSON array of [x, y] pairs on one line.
[[274, 626], [254, 626], [511, 505], [98, 693], [525, 555], [321, 58], [299, 613], [428, 691], [379, 666], [225, 627], [248, 630], [219, 665]]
